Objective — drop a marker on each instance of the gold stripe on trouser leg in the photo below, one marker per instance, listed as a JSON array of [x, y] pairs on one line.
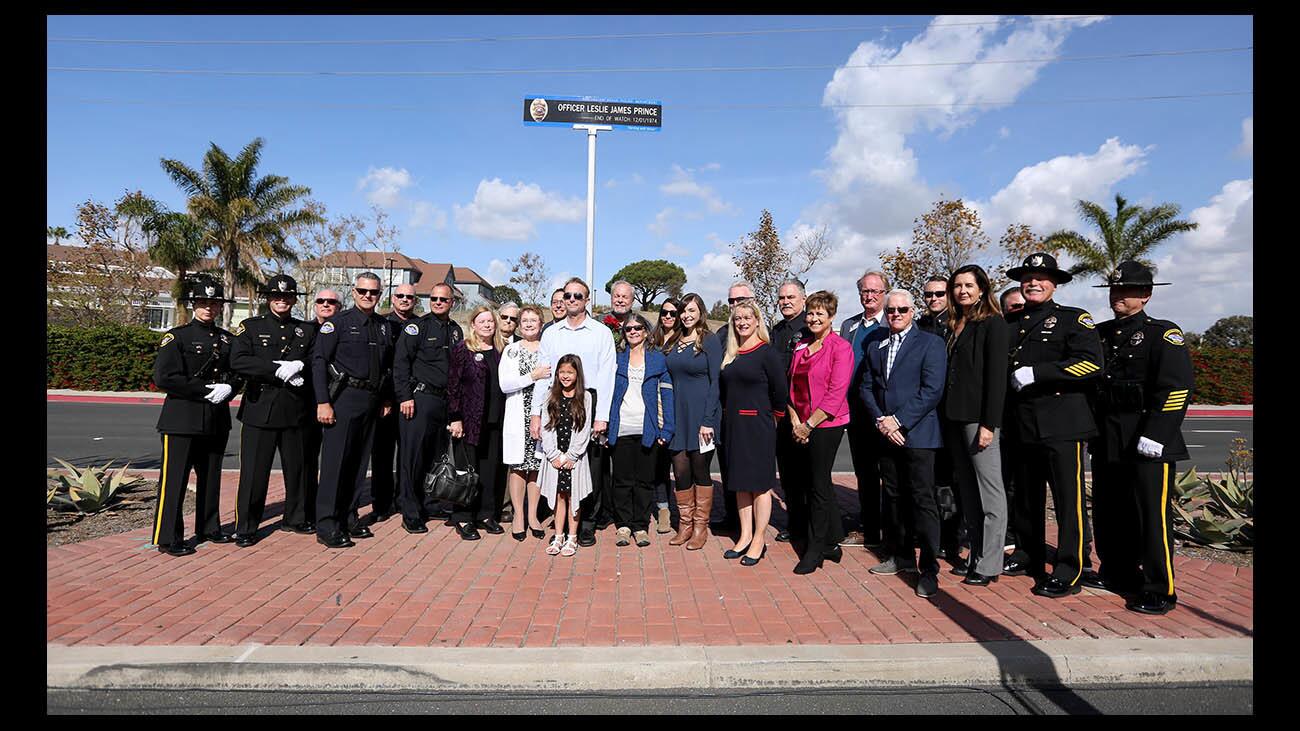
[[1164, 527], [1078, 502], [162, 494]]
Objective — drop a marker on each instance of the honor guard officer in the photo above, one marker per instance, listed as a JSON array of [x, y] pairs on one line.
[[271, 351], [352, 353], [1055, 356], [382, 492], [420, 367], [1141, 403], [193, 368]]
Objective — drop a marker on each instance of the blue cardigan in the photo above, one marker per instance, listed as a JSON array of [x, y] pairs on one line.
[[656, 382]]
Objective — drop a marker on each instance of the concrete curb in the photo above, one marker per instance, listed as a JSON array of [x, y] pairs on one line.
[[1010, 663]]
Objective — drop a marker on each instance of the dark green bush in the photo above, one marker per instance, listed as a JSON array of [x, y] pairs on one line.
[[106, 358], [1224, 375]]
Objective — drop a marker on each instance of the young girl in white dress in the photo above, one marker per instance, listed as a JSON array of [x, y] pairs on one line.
[[565, 476]]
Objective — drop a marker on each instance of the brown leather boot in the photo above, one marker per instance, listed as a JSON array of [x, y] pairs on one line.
[[703, 505], [685, 511]]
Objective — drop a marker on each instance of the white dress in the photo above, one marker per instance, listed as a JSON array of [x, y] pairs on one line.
[[548, 477]]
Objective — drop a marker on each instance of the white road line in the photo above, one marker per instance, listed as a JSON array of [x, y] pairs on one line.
[[1213, 431], [1189, 446]]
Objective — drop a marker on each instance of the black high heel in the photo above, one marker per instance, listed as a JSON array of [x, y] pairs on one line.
[[834, 554], [537, 532], [520, 536], [747, 561], [732, 554]]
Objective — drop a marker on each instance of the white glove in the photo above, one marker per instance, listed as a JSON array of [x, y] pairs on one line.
[[218, 392], [288, 369], [1022, 376], [1150, 448], [296, 381]]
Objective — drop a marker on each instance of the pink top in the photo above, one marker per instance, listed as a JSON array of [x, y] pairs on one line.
[[821, 380]]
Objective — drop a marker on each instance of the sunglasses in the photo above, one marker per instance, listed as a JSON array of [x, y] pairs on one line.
[[439, 299], [369, 292], [898, 310], [509, 318], [667, 313], [934, 295], [575, 296], [734, 300], [634, 328], [404, 296], [327, 301]]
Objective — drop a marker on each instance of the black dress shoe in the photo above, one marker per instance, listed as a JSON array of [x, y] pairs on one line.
[[244, 541], [215, 538], [305, 528], [586, 538], [975, 578], [783, 536], [1150, 602], [468, 532], [413, 526], [835, 554], [808, 564], [747, 561], [360, 531], [1054, 588], [491, 526], [286, 527], [927, 586], [960, 568], [335, 541], [1092, 580], [1013, 567], [177, 549], [382, 515], [602, 524], [731, 554]]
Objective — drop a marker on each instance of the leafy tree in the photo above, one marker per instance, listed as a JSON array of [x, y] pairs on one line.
[[1017, 243], [946, 238], [110, 279], [180, 245], [58, 233], [530, 273], [719, 311], [247, 219], [650, 278], [1132, 233], [503, 293], [763, 262], [1237, 331]]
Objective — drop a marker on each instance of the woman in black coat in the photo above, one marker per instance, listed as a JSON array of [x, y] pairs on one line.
[[475, 409], [972, 409]]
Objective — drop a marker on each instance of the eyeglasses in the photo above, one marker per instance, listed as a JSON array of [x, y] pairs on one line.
[[368, 292], [327, 301], [404, 296], [934, 295], [575, 296], [871, 291], [509, 318], [634, 328], [439, 299], [897, 310], [734, 300]]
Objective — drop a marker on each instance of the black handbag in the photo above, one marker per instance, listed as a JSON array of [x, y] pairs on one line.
[[451, 482]]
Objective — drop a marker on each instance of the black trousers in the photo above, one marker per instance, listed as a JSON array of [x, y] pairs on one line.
[[423, 440], [1010, 458], [598, 504], [793, 479], [633, 489], [311, 441], [1060, 466], [1134, 524], [865, 447], [810, 493], [486, 456], [907, 477], [383, 488], [345, 448], [182, 452], [257, 447]]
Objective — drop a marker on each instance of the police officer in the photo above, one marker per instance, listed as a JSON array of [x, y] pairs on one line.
[[786, 334], [420, 366], [1055, 356], [1141, 402], [271, 351], [193, 368], [382, 492], [351, 355]]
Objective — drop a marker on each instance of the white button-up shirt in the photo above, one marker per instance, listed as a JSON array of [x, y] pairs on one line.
[[594, 344]]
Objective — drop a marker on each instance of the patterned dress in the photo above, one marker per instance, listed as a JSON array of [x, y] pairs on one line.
[[527, 362]]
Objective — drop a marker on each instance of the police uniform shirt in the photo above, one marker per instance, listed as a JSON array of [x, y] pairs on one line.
[[191, 357], [424, 354], [352, 341], [1062, 346], [1146, 388], [268, 401]]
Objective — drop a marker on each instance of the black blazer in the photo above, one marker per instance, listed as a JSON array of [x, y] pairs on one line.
[[977, 374]]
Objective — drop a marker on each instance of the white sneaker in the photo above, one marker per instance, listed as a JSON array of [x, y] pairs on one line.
[[624, 536], [557, 542]]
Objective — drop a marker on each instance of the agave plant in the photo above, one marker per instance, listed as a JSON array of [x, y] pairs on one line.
[[89, 490], [1215, 513]]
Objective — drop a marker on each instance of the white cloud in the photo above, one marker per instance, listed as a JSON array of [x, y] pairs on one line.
[[384, 186], [498, 271], [711, 276], [684, 184], [1004, 133], [661, 225], [427, 215], [672, 251], [709, 167], [1247, 147], [633, 179], [557, 282], [512, 212]]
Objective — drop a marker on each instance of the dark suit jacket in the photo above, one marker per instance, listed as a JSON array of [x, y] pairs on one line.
[[977, 374], [915, 384]]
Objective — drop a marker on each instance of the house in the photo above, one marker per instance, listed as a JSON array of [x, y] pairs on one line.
[[339, 270]]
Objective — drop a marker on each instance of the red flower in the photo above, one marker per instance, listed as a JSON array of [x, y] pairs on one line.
[[612, 323]]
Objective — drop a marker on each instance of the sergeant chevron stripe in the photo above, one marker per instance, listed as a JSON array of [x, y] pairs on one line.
[[1081, 369], [1176, 400]]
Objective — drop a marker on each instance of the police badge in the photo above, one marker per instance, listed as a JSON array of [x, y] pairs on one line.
[[1136, 339], [1050, 322]]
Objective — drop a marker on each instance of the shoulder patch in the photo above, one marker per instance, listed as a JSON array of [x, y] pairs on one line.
[[327, 327], [166, 339], [412, 329], [1086, 320], [239, 329], [1174, 336]]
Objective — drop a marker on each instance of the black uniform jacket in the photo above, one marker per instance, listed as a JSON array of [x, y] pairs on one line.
[[269, 402], [1146, 388], [346, 340], [424, 354], [190, 358], [940, 324], [1061, 344]]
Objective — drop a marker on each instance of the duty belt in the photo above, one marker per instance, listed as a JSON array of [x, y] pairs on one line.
[[422, 387], [360, 383]]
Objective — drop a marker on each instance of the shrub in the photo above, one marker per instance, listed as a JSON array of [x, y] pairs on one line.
[[1219, 513], [1224, 375], [88, 490], [105, 358]]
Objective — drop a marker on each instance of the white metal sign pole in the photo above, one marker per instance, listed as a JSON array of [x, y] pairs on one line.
[[591, 129]]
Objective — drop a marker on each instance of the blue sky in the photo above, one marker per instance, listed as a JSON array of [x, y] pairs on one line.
[[467, 182]]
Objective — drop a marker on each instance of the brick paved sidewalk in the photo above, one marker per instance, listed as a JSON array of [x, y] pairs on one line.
[[437, 590]]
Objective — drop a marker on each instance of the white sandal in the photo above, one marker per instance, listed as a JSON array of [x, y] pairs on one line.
[[570, 546], [557, 542]]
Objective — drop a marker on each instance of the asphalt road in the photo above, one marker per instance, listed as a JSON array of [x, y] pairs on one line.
[[1217, 699], [86, 434]]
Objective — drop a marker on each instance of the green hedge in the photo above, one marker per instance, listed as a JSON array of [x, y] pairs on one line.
[[107, 358], [1224, 375]]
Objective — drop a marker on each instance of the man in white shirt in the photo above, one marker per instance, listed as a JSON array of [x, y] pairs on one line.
[[590, 340]]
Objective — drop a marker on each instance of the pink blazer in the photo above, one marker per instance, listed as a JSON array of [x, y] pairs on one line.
[[828, 379]]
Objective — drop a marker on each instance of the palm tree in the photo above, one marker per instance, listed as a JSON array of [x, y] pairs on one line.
[[178, 244], [245, 218], [1132, 234], [58, 233]]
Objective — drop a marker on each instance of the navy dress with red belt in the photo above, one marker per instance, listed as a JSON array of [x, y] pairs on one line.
[[753, 391]]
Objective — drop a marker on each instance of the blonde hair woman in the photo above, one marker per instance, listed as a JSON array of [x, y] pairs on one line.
[[476, 408]]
